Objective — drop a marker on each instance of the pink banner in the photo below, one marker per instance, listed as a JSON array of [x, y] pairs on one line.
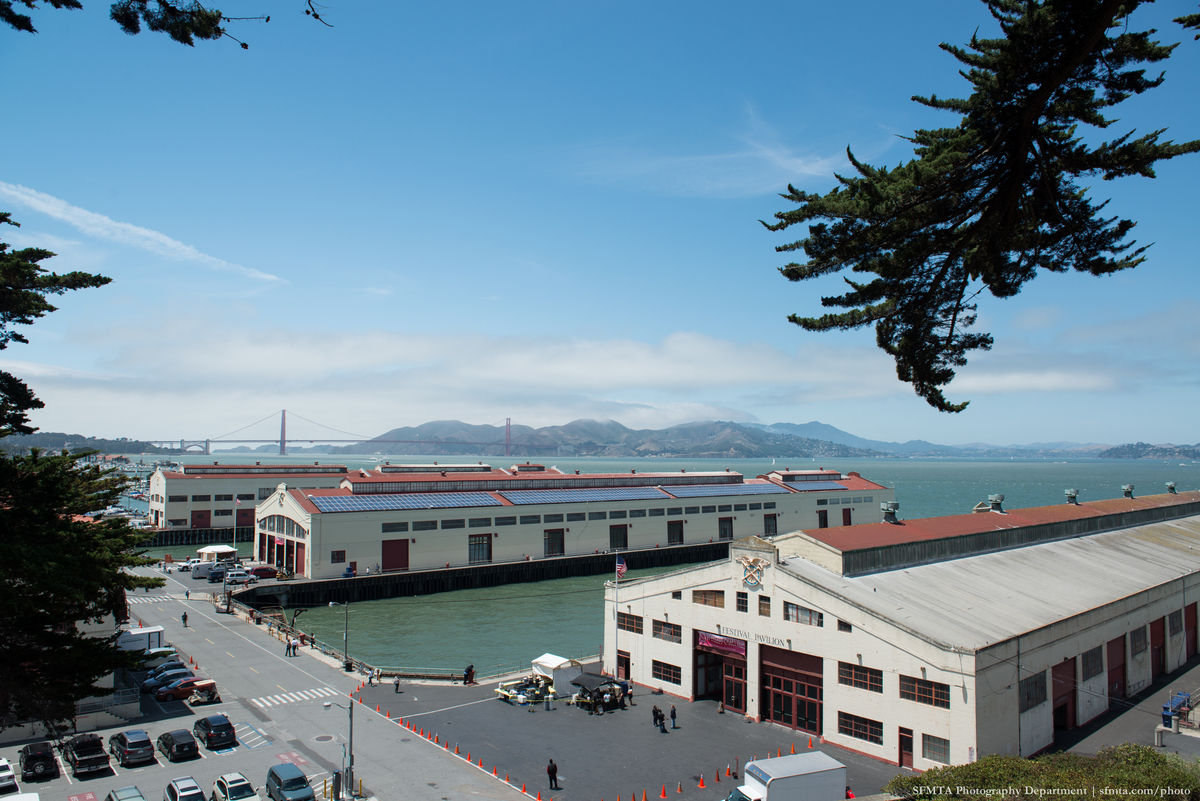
[[716, 642]]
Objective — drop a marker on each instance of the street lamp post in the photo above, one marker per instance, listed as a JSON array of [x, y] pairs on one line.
[[349, 665], [348, 778]]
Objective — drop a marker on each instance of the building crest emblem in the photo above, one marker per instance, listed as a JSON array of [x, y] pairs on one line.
[[752, 567]]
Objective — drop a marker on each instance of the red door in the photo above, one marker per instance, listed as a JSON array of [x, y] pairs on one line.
[[245, 517], [202, 519], [906, 743], [1158, 648], [299, 558], [1116, 668], [1189, 628], [1063, 679], [395, 555], [846, 517]]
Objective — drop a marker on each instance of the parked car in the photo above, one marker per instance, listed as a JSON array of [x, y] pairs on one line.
[[85, 754], [157, 657], [174, 664], [240, 577], [216, 576], [179, 690], [178, 744], [129, 793], [133, 745], [287, 782], [185, 788], [264, 571], [7, 777], [215, 731], [231, 787], [163, 679], [37, 761]]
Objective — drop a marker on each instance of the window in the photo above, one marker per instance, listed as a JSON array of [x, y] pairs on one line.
[[725, 508], [531, 520], [844, 626], [201, 498], [935, 749], [1093, 662], [860, 728], [663, 630], [597, 515], [479, 522], [709, 510], [864, 678], [677, 595], [724, 528], [222, 513], [768, 504], [552, 518], [425, 525], [265, 492], [1033, 691], [925, 692], [1175, 622], [223, 497], [182, 522], [764, 606], [691, 510], [637, 512], [479, 549], [739, 507], [822, 501], [506, 521], [674, 511], [657, 512], [177, 499], [709, 598], [822, 518], [337, 557], [554, 543], [743, 602], [616, 515], [1137, 640], [392, 528], [754, 507], [674, 532], [800, 614], [576, 517], [631, 623], [245, 496], [664, 672], [459, 523], [618, 537]]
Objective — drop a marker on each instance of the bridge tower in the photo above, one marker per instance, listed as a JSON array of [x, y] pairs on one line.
[[283, 433], [508, 436]]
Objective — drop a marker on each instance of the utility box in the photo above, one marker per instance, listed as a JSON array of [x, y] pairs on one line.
[[812, 776], [142, 639]]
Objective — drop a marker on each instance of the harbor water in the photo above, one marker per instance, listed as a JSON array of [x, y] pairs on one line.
[[505, 627]]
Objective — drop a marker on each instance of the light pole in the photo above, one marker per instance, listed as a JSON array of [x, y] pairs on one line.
[[348, 779], [349, 665]]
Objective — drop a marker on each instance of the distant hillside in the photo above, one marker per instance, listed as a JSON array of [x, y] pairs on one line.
[[603, 438], [56, 441], [1140, 450]]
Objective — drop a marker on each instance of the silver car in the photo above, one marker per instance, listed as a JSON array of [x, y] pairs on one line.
[[231, 787]]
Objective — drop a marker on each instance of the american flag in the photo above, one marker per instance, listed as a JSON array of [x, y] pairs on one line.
[[620, 567]]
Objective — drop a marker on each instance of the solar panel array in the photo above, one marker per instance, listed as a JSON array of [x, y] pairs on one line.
[[808, 486], [524, 497], [393, 502], [711, 490]]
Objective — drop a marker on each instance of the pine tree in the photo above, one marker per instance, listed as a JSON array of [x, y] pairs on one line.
[[987, 204]]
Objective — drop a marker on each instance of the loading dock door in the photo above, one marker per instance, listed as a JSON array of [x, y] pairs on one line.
[[1189, 629], [1116, 668], [395, 555], [1158, 648], [1063, 680]]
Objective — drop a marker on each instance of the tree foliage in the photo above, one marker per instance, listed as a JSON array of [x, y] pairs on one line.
[[987, 204], [1120, 771]]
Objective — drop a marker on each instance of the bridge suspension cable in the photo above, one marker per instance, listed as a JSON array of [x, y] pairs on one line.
[[243, 428], [331, 428]]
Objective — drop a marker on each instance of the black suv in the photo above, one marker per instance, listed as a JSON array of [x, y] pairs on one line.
[[131, 746], [37, 761], [215, 731]]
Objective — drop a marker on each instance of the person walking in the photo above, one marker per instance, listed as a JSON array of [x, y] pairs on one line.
[[654, 716], [396, 683], [187, 595], [552, 772], [184, 619], [287, 647], [371, 678], [673, 726]]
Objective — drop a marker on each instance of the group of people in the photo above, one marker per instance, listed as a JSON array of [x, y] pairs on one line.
[[292, 647], [603, 699], [660, 719]]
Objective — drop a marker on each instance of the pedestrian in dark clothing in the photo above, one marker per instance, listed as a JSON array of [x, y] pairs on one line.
[[184, 619], [673, 726], [552, 772], [187, 594], [662, 722], [287, 647], [654, 713], [396, 682]]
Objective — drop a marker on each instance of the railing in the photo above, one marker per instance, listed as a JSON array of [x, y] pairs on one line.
[[119, 698]]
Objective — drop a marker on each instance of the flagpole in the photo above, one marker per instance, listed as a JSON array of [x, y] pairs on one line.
[[616, 622]]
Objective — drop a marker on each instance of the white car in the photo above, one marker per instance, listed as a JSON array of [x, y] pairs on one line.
[[231, 787], [240, 577], [7, 777]]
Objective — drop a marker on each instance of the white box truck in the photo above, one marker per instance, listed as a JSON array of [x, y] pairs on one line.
[[142, 639], [812, 776]]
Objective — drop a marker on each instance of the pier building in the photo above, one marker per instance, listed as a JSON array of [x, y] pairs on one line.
[[417, 517], [215, 503], [927, 642]]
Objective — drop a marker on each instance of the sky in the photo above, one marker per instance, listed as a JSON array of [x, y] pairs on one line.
[[538, 211]]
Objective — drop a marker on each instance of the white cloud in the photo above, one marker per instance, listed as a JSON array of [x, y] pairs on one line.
[[101, 227]]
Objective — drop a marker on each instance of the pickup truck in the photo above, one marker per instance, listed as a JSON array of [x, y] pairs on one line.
[[85, 753]]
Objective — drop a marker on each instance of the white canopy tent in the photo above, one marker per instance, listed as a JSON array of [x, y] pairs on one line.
[[559, 670], [212, 553]]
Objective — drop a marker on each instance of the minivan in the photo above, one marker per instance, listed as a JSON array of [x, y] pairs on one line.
[[287, 782]]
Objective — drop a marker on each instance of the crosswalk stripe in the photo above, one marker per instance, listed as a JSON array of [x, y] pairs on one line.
[[306, 695], [292, 697]]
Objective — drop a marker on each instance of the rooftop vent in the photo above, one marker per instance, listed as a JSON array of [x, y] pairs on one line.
[[1170, 487], [1072, 496], [996, 501], [1127, 489], [889, 511]]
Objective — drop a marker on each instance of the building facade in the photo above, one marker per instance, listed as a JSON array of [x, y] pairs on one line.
[[412, 517], [926, 642]]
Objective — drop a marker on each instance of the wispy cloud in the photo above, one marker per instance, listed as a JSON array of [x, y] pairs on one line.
[[101, 227]]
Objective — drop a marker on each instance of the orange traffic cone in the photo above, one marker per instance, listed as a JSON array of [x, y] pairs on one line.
[[494, 771], [779, 752], [522, 787], [810, 742], [422, 732], [389, 714], [718, 774], [468, 756], [664, 792], [481, 762], [539, 798], [435, 740], [456, 749], [679, 789], [506, 782], [727, 773], [643, 795], [447, 745], [377, 707], [702, 782], [360, 699], [793, 748]]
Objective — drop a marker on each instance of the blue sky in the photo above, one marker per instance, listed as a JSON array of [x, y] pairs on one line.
[[543, 211]]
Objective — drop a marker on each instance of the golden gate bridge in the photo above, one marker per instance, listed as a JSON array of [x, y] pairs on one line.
[[205, 445]]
